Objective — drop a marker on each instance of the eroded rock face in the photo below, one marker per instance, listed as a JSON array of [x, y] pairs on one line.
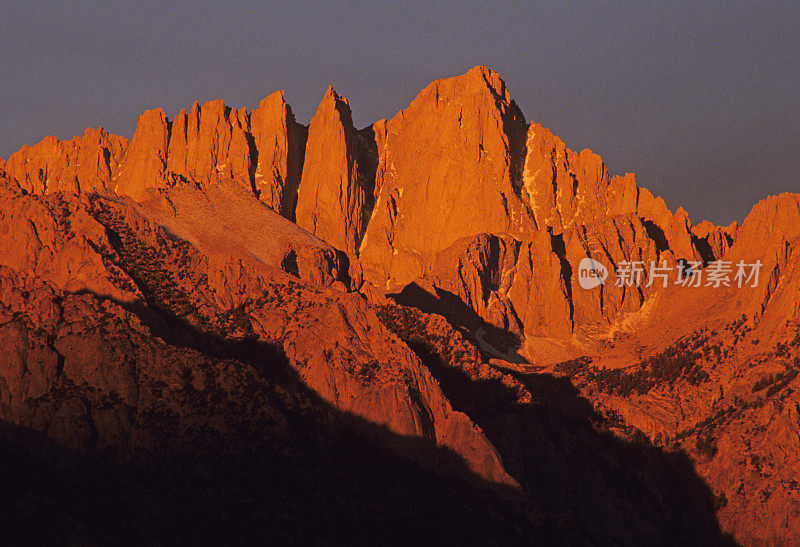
[[215, 145], [769, 235], [772, 222], [225, 221], [459, 164], [714, 371], [512, 285], [447, 170], [280, 142], [566, 188], [336, 189], [55, 240], [713, 241], [531, 288], [145, 161], [188, 276], [82, 164], [211, 144]]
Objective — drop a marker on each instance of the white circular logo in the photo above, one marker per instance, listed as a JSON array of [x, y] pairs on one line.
[[591, 273]]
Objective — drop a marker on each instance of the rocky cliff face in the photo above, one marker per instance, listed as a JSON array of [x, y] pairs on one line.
[[448, 166], [713, 371], [145, 161], [280, 143], [211, 144], [82, 164], [214, 145], [461, 164], [335, 193], [416, 284]]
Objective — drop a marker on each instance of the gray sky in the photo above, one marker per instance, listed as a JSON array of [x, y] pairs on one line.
[[700, 99]]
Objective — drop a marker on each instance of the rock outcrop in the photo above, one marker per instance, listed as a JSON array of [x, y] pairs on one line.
[[280, 143], [336, 188], [135, 421], [713, 370], [55, 240], [211, 144], [713, 241], [459, 165], [112, 251], [225, 221], [82, 164], [145, 161], [448, 166], [566, 188]]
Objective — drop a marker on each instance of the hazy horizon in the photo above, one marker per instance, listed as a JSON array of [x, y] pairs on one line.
[[701, 104]]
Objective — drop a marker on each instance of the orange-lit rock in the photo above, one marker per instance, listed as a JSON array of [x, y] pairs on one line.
[[94, 254], [679, 236], [186, 305], [280, 143], [448, 169], [716, 240], [145, 161], [81, 164], [335, 188], [567, 188], [653, 209], [211, 144]]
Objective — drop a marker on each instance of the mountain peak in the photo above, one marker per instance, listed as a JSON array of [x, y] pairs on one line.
[[272, 100], [334, 187], [146, 157], [491, 78], [332, 97]]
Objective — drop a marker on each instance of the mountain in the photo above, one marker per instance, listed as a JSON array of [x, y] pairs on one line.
[[325, 332]]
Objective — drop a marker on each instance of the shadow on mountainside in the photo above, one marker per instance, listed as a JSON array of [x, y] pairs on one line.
[[235, 448], [588, 466], [613, 491], [265, 461], [211, 466], [309, 487], [503, 343]]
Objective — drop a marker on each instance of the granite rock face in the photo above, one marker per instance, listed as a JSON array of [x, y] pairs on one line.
[[82, 164], [214, 144], [210, 144], [280, 143], [335, 193], [112, 254], [145, 161], [713, 371], [448, 166], [419, 281]]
